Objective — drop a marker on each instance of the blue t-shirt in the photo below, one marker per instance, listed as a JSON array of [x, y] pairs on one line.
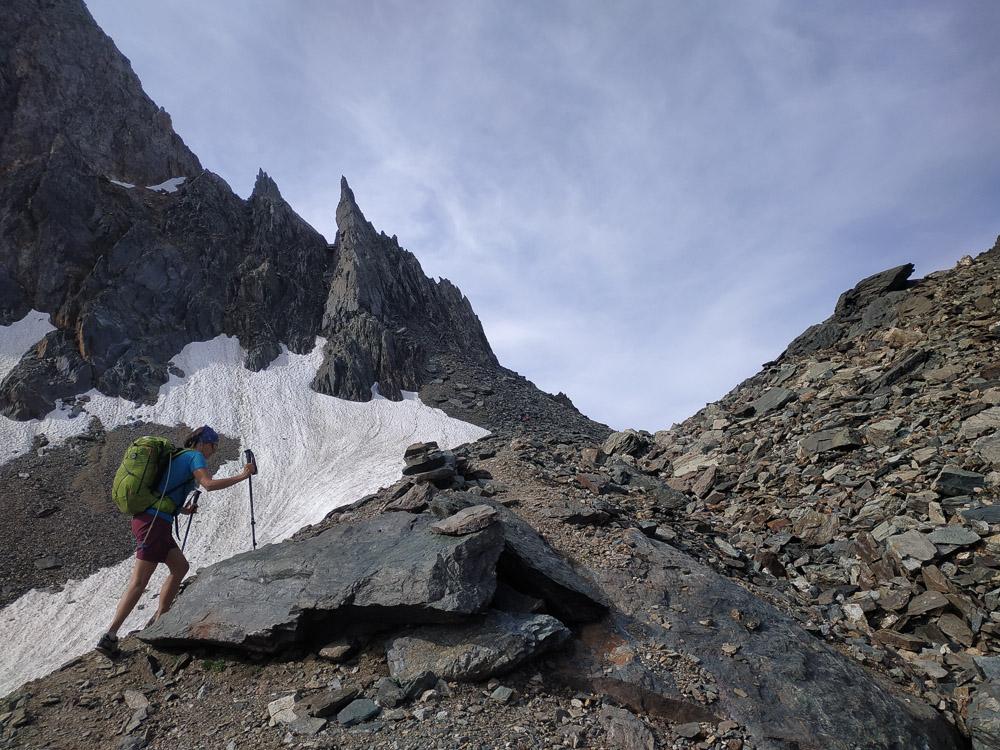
[[179, 480]]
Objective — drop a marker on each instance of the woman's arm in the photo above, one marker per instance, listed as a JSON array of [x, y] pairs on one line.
[[204, 478]]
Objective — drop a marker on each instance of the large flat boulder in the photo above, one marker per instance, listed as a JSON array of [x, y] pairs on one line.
[[787, 687], [495, 644], [391, 569]]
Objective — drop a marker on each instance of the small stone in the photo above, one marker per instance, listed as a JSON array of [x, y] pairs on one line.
[[726, 548], [358, 711], [135, 700], [926, 602], [911, 544], [282, 709], [987, 513], [502, 694], [325, 703], [626, 730], [953, 481], [337, 651], [691, 730], [466, 521], [306, 725], [957, 536], [136, 720], [730, 649], [956, 629]]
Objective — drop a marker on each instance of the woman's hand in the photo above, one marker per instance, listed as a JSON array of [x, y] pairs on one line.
[[249, 470]]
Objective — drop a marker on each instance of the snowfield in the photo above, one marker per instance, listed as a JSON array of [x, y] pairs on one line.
[[314, 453], [168, 186]]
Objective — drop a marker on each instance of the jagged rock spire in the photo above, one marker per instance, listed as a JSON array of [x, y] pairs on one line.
[[349, 216], [265, 187]]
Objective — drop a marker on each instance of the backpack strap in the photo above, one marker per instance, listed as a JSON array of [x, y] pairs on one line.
[[174, 455]]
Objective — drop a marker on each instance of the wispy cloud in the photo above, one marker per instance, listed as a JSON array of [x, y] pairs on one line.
[[643, 201]]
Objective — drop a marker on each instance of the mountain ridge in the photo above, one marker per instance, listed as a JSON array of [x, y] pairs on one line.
[[130, 274]]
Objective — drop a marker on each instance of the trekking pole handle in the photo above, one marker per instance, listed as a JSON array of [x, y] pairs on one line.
[[192, 499], [248, 458]]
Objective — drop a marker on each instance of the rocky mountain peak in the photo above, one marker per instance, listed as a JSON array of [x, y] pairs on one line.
[[264, 187], [349, 215], [119, 133]]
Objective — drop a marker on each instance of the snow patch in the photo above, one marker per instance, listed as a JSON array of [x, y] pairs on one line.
[[119, 183], [18, 337], [314, 452], [16, 437], [170, 186]]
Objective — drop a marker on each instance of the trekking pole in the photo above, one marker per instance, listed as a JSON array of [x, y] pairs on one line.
[[193, 501], [248, 458]]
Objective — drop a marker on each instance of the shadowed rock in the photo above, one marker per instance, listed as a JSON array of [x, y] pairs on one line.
[[495, 644], [532, 566]]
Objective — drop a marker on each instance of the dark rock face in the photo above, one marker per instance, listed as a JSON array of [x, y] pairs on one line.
[[131, 275], [770, 675], [390, 568], [48, 99], [384, 317], [145, 273], [871, 303]]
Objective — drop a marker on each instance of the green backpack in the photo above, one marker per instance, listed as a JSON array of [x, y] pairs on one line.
[[145, 461]]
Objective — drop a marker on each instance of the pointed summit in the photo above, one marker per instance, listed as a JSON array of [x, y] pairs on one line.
[[349, 216], [265, 187]]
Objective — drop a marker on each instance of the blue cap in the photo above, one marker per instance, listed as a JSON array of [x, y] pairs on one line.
[[207, 435]]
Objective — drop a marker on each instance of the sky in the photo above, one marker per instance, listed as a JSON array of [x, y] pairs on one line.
[[644, 201]]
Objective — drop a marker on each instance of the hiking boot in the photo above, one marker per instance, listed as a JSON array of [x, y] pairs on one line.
[[108, 645]]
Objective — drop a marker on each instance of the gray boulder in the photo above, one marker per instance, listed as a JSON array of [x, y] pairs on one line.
[[497, 643], [466, 521], [627, 442], [953, 481], [358, 711], [840, 439], [535, 569], [772, 400], [391, 568]]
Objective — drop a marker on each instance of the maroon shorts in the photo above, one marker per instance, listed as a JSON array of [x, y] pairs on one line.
[[152, 544]]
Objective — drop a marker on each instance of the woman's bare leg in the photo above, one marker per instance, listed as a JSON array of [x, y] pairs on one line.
[[179, 567], [136, 585]]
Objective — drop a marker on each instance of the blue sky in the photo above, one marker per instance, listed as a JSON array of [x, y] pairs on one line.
[[643, 201]]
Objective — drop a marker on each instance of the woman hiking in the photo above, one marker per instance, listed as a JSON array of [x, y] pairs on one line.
[[152, 528]]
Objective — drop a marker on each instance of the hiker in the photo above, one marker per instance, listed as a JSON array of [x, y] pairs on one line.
[[152, 528]]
